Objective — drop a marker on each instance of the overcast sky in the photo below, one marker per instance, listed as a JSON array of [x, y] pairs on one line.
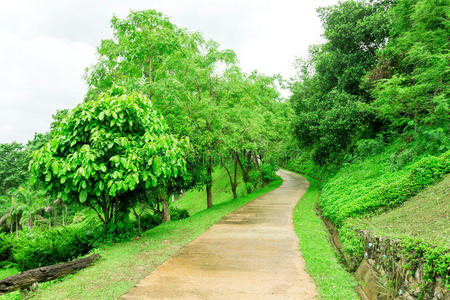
[[45, 45]]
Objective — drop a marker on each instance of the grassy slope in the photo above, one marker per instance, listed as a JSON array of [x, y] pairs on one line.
[[425, 217], [124, 264], [195, 200], [330, 277]]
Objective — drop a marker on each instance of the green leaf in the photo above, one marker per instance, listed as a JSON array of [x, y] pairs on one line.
[[83, 196]]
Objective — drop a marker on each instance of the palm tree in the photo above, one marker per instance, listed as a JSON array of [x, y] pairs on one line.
[[29, 204], [48, 208], [14, 212], [60, 202]]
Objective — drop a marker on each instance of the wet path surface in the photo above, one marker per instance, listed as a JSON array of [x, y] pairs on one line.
[[251, 253]]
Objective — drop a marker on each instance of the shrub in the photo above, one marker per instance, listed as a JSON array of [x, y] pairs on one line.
[[178, 213], [421, 174], [41, 248], [268, 172], [366, 147], [5, 249]]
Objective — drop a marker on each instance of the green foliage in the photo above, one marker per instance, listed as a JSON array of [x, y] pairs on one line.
[[59, 244], [268, 171], [14, 161], [196, 86], [352, 243], [424, 217], [388, 194], [107, 149], [354, 30], [328, 125], [329, 100], [5, 249], [412, 75], [178, 213]]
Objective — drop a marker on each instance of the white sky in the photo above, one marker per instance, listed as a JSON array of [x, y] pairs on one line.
[[45, 45]]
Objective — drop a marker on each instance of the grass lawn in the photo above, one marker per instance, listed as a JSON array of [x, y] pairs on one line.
[[122, 265], [5, 272], [424, 217], [195, 200], [331, 279]]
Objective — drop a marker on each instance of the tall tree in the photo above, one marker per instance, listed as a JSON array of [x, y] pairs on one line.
[[178, 70]]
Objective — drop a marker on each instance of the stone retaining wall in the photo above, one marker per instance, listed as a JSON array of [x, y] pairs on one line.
[[388, 272]]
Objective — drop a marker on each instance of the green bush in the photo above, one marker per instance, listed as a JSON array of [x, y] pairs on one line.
[[366, 147], [5, 249], [268, 172], [388, 195], [35, 249], [148, 221], [178, 213]]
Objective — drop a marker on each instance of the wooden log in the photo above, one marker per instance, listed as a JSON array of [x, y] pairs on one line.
[[43, 274]]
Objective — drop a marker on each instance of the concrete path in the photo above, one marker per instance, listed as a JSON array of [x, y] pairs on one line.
[[251, 253]]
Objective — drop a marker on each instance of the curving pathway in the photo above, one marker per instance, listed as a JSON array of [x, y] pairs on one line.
[[251, 253]]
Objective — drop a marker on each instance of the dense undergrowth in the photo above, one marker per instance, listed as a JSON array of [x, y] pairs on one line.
[[27, 250]]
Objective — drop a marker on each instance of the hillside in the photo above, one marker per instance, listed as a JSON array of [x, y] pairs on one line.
[[194, 200], [425, 217]]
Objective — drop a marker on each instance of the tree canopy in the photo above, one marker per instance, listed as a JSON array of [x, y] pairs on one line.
[[105, 150]]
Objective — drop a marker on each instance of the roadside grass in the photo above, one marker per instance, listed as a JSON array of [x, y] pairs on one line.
[[331, 279], [195, 200], [425, 217], [10, 271], [122, 265]]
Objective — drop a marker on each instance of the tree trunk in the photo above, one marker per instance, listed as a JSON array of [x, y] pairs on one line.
[[233, 180], [150, 75], [138, 217], [17, 227], [56, 216], [209, 202], [245, 175], [255, 157], [63, 215], [234, 186], [166, 210], [43, 274]]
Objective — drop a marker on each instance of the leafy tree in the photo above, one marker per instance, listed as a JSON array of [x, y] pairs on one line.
[[411, 79], [142, 43], [329, 97], [107, 151], [13, 166], [178, 70], [14, 212], [29, 204]]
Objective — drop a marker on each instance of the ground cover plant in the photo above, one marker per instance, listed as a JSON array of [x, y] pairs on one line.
[[424, 217]]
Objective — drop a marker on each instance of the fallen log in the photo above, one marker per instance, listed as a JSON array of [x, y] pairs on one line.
[[43, 274]]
